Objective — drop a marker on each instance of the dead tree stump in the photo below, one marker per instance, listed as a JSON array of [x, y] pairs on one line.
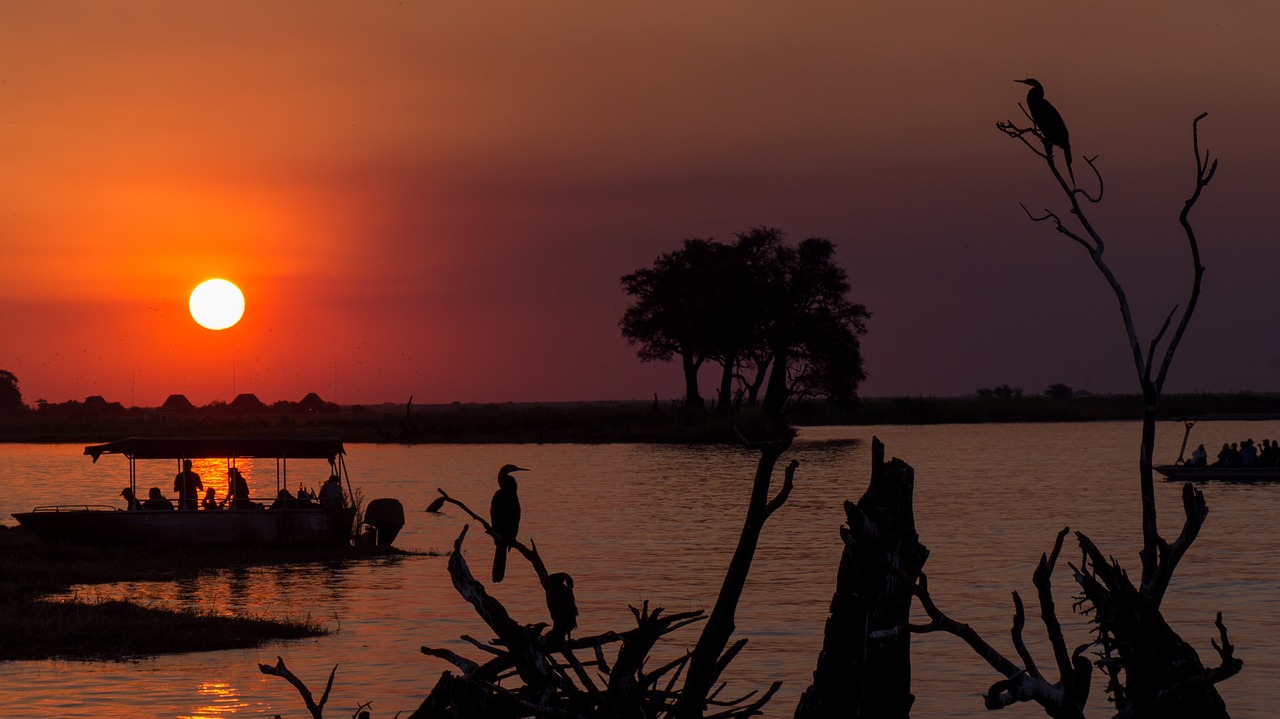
[[864, 668]]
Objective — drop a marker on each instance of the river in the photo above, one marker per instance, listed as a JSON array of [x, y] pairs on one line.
[[633, 523]]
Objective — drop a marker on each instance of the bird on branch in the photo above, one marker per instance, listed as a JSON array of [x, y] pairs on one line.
[[562, 606], [504, 515], [1049, 121]]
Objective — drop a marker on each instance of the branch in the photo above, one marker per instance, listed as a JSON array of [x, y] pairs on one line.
[[280, 670], [1195, 510], [787, 484]]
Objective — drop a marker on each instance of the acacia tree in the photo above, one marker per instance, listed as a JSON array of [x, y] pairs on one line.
[[683, 307], [764, 311]]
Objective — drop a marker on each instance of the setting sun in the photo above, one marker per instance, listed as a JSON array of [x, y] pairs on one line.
[[217, 304]]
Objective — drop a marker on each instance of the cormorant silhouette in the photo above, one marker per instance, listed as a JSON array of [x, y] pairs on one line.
[[1049, 120], [504, 515], [562, 606]]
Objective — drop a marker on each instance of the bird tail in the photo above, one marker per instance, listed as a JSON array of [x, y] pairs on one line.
[[499, 563], [1066, 151]]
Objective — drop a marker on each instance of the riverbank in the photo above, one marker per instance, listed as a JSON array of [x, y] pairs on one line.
[[589, 422], [35, 626]]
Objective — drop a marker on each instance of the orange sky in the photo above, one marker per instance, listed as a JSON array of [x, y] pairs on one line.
[[438, 199]]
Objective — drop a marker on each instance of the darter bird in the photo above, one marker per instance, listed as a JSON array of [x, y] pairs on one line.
[[1048, 120], [562, 606], [504, 515]]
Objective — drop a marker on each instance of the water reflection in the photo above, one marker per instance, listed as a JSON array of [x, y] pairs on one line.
[[659, 523]]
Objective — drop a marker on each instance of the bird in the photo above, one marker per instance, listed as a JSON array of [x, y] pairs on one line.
[[1048, 120], [562, 606], [504, 516]]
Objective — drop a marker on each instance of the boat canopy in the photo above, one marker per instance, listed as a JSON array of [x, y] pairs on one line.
[[220, 447]]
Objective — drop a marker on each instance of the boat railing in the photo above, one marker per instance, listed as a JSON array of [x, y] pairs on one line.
[[78, 508]]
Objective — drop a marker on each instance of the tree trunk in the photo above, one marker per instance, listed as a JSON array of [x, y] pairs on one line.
[[725, 403], [864, 668], [692, 399], [777, 393]]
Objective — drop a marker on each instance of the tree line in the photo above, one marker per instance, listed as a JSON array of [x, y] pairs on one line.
[[776, 318]]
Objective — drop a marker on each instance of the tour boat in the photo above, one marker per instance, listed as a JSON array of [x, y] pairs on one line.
[[1183, 471], [276, 520]]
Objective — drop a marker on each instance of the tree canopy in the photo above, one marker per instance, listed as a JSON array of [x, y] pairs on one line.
[[772, 316], [10, 396]]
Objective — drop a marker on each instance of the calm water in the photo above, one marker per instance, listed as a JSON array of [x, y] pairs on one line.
[[632, 523]]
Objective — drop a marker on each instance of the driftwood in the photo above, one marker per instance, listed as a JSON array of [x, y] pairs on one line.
[[280, 670], [864, 668], [531, 673]]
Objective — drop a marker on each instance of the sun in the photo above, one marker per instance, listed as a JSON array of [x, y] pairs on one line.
[[216, 304]]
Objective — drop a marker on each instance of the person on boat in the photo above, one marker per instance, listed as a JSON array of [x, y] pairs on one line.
[[1248, 453], [131, 501], [284, 500], [1224, 456], [188, 485], [237, 489], [331, 493], [210, 501], [1199, 458], [156, 500]]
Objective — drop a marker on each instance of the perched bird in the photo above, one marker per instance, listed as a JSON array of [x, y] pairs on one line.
[[562, 606], [504, 515], [1048, 120]]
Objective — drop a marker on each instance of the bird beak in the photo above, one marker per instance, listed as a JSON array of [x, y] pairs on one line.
[[519, 469]]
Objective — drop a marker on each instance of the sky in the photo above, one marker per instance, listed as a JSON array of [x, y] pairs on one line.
[[437, 199]]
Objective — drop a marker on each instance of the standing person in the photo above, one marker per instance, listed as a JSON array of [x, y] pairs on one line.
[[237, 489], [188, 485], [331, 493]]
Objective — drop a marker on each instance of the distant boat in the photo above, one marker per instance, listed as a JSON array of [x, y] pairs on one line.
[[287, 522], [1183, 471]]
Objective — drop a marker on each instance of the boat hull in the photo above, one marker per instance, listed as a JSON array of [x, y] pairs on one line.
[[1183, 473], [267, 527]]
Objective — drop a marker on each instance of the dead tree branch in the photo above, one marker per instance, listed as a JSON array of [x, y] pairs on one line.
[[280, 670]]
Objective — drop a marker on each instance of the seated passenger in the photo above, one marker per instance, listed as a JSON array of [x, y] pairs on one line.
[[284, 500], [131, 501], [210, 501], [156, 500], [1199, 458]]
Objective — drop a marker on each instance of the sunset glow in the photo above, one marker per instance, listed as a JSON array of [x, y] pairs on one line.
[[216, 304], [439, 185]]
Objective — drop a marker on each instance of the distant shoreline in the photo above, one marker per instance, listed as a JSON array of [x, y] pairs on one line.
[[585, 422]]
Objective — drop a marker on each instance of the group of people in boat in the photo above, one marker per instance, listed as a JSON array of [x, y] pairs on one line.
[[1239, 454], [188, 485]]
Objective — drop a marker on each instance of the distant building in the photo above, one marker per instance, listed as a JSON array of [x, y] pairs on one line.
[[312, 403], [247, 402], [96, 403], [177, 403]]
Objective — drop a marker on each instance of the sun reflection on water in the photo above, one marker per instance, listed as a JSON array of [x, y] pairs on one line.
[[222, 700]]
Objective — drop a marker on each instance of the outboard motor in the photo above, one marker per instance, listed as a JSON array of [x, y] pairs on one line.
[[386, 516]]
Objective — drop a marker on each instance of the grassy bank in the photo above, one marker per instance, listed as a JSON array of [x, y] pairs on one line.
[[594, 422], [32, 627]]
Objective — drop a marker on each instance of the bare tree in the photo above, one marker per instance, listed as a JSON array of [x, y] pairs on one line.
[[1151, 671]]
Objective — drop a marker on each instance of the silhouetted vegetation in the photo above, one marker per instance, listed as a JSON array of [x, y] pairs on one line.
[[775, 318], [592, 422], [10, 396]]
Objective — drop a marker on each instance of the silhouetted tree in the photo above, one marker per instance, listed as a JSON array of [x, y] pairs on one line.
[[683, 307], [1059, 391], [771, 315], [10, 396]]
